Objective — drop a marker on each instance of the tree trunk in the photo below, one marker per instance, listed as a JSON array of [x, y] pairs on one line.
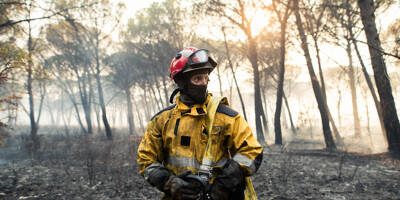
[[353, 89], [338, 107], [103, 109], [159, 94], [101, 96], [97, 111], [259, 111], [279, 93], [389, 113], [220, 82], [147, 104], [139, 116], [43, 93], [265, 120], [88, 118], [153, 101], [281, 76], [323, 89], [129, 112], [85, 97], [290, 115], [321, 75], [371, 87], [364, 93], [103, 106], [66, 124], [234, 76], [159, 107], [230, 88], [165, 90], [78, 116], [338, 137], [34, 128], [82, 82], [330, 144]]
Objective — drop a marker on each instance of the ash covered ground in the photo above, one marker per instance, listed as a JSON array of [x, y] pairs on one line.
[[82, 167]]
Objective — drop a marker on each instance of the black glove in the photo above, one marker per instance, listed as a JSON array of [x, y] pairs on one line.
[[157, 177], [230, 183], [180, 189]]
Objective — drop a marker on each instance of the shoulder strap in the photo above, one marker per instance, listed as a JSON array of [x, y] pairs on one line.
[[211, 110], [205, 167]]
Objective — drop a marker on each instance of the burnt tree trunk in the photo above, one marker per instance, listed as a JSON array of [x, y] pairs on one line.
[[330, 144], [265, 122], [75, 105], [100, 91], [323, 89], [165, 85], [233, 74], [338, 107], [371, 87], [352, 82], [279, 91], [220, 82], [281, 75], [33, 124], [389, 113], [292, 126], [154, 99], [259, 111], [159, 93], [97, 112], [353, 90], [129, 112], [146, 103], [84, 80]]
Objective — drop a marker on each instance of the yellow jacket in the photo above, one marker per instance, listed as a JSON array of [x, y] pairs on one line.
[[176, 138]]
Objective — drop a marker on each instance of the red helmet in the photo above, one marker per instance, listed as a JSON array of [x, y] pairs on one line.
[[190, 59]]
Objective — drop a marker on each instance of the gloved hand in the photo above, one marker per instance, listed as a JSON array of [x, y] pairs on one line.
[[180, 189], [158, 176], [230, 183]]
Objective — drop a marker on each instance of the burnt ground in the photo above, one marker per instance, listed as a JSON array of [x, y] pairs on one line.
[[79, 167]]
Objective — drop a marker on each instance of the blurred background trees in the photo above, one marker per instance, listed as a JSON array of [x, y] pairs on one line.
[[310, 67]]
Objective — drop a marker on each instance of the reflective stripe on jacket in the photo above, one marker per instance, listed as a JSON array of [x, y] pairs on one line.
[[176, 137]]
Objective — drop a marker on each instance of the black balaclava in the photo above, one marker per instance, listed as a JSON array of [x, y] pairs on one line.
[[197, 93], [190, 93]]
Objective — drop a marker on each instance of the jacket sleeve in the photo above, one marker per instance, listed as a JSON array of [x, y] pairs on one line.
[[245, 148], [150, 151]]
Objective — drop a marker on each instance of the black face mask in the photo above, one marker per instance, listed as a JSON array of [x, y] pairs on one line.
[[198, 93]]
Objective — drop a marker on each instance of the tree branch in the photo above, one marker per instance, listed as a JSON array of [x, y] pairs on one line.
[[12, 3], [11, 22]]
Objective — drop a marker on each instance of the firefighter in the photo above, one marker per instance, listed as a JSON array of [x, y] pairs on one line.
[[176, 138]]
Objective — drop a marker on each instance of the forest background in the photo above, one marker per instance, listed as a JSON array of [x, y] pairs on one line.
[[101, 67], [318, 81]]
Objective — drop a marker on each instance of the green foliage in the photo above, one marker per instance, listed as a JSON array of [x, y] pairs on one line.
[[11, 58], [156, 34], [126, 69]]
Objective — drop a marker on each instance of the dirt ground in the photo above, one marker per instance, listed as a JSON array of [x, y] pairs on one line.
[[79, 167]]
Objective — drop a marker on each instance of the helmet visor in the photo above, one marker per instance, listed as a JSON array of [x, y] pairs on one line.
[[199, 57]]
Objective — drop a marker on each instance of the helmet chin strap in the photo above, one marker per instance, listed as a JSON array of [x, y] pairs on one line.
[[185, 97], [171, 98]]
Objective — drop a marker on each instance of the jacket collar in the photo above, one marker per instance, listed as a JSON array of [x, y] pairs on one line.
[[196, 109]]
